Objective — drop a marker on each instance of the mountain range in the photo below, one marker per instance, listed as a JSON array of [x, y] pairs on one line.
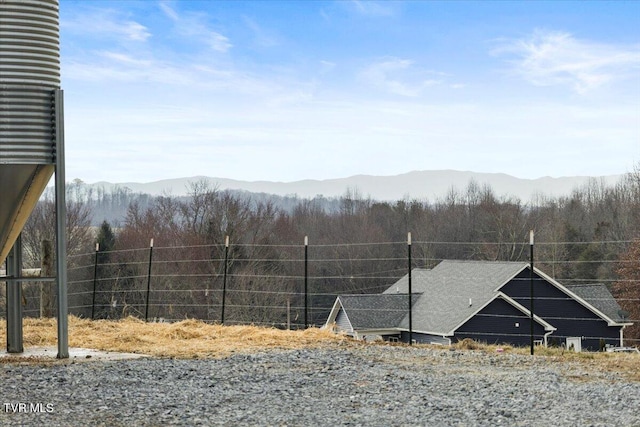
[[421, 185]]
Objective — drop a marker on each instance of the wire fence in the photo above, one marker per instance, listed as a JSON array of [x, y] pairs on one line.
[[287, 286]]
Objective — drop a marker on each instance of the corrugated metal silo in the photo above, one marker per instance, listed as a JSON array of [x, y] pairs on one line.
[[29, 80], [31, 145]]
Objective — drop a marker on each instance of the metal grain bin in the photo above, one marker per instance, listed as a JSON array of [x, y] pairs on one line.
[[30, 107]]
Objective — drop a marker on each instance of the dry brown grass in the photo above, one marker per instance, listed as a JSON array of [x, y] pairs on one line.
[[627, 364], [185, 339], [196, 339]]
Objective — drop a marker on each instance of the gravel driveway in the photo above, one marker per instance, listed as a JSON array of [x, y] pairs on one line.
[[360, 385]]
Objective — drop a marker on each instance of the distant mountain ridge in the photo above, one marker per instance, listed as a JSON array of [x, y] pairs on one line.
[[422, 185]]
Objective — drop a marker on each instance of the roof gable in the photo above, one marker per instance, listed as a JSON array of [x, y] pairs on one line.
[[374, 311], [453, 291], [525, 311]]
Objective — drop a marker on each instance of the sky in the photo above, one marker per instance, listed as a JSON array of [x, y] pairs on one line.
[[294, 90]]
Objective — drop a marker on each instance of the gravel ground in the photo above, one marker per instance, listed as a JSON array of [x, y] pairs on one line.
[[361, 385]]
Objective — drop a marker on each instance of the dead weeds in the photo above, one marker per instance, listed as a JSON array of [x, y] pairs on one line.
[[196, 339], [185, 339], [625, 364]]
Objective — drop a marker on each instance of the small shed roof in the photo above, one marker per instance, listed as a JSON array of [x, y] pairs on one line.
[[376, 311]]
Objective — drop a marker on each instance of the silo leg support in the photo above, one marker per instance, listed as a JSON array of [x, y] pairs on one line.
[[14, 300], [61, 231]]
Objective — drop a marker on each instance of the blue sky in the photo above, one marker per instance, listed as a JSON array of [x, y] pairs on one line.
[[285, 91]]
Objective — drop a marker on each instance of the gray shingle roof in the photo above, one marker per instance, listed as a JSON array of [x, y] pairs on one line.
[[598, 295], [377, 311], [453, 291]]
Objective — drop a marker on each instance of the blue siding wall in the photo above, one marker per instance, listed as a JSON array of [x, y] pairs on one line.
[[500, 323], [570, 317]]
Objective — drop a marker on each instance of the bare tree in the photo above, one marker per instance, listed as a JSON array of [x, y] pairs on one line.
[[41, 227], [627, 288]]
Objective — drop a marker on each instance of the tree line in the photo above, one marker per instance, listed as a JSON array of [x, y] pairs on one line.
[[589, 235]]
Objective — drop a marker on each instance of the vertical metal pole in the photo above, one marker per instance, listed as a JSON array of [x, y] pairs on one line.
[[146, 308], [14, 299], [95, 280], [531, 289], [61, 228], [306, 281], [410, 290], [224, 277]]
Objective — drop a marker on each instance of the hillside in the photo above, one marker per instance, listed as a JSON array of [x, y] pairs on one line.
[[423, 185]]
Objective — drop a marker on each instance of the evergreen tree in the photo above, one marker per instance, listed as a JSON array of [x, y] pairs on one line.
[[106, 237], [106, 240]]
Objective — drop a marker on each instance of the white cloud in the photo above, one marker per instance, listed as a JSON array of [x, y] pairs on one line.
[[185, 109], [398, 76], [107, 24], [550, 58], [363, 137], [326, 66], [135, 31], [125, 59], [194, 25], [171, 13], [192, 77], [261, 36], [118, 67], [218, 42], [373, 8]]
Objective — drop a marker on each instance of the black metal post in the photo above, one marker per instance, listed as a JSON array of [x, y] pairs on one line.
[[224, 277], [410, 290], [95, 280], [306, 281], [531, 289], [146, 309]]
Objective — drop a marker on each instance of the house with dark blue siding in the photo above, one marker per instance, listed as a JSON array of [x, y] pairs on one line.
[[485, 301]]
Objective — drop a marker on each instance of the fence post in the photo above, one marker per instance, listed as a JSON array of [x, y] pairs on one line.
[[95, 280], [531, 289], [306, 281], [224, 277], [146, 310], [409, 289]]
